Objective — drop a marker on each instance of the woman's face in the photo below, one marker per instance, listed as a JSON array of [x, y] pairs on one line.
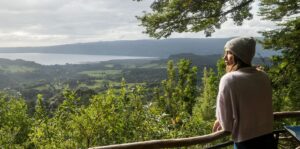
[[229, 58]]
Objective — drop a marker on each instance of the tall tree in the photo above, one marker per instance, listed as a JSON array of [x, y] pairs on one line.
[[209, 95], [206, 102], [179, 91], [285, 72]]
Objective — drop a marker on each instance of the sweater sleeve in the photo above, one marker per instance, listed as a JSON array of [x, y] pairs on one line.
[[224, 110]]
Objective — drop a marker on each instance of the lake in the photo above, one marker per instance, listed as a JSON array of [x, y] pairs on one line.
[[62, 59]]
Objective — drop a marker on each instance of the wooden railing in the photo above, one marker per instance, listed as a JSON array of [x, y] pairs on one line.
[[172, 143]]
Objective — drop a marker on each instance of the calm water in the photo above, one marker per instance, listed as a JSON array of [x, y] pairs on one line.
[[61, 59]]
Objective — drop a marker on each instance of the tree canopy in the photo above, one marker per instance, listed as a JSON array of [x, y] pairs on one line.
[[170, 16]]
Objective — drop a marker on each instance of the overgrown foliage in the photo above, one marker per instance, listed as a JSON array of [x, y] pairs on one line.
[[114, 116], [15, 123]]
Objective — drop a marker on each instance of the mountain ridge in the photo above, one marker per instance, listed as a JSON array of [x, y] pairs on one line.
[[145, 47]]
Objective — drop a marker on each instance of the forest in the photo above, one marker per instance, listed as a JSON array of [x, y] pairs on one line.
[[120, 112], [83, 106], [112, 102]]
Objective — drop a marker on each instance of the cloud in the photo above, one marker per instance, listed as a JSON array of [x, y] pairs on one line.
[[50, 22]]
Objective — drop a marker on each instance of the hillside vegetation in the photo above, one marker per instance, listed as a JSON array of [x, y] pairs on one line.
[[80, 106]]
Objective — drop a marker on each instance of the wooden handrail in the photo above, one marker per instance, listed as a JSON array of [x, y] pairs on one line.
[[171, 143], [289, 114], [167, 143]]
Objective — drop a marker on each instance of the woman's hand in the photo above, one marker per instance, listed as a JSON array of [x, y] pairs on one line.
[[217, 126]]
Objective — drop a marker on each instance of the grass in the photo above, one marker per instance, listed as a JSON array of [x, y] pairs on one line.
[[42, 87], [106, 84], [154, 65], [16, 69], [101, 73]]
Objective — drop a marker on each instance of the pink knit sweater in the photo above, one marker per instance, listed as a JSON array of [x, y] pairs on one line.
[[244, 104]]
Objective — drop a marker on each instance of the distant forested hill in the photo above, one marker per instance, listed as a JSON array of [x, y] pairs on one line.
[[27, 79], [153, 48]]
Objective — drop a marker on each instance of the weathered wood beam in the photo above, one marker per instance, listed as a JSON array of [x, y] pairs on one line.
[[286, 114], [168, 143], [172, 143]]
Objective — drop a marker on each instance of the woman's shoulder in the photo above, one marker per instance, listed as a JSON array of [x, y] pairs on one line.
[[248, 72], [228, 77], [243, 72]]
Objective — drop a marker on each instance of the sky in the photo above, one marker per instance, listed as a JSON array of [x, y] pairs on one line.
[[53, 22]]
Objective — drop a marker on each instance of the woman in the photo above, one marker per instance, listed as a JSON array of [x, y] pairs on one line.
[[244, 102]]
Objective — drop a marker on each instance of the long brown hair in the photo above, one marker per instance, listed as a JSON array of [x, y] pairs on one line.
[[238, 64]]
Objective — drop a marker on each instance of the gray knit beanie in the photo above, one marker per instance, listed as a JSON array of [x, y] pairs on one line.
[[242, 47]]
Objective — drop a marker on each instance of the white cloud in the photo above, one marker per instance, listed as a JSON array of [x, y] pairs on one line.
[[49, 22]]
